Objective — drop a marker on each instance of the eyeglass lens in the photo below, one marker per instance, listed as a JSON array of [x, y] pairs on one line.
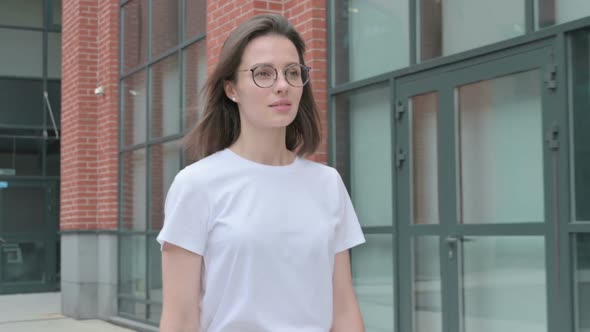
[[295, 74]]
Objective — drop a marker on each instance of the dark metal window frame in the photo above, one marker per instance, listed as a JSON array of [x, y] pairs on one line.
[[149, 142], [559, 35]]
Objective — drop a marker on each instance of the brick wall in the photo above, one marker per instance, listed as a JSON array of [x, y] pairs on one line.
[[90, 123], [89, 173]]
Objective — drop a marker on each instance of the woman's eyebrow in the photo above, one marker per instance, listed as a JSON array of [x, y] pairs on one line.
[[272, 65]]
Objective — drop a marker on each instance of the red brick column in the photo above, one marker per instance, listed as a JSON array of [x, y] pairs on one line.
[[308, 16], [89, 155]]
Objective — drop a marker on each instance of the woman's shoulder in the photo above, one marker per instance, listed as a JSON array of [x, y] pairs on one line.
[[202, 169], [320, 169]]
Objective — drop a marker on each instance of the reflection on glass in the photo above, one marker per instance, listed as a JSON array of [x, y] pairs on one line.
[[132, 309], [22, 262], [52, 162], [424, 112], [16, 214], [134, 29], [165, 164], [503, 284], [165, 96], [501, 150], [22, 102], [23, 58], [195, 71], [370, 38], [133, 98], [21, 156], [452, 26], [195, 18], [372, 272], [426, 285], [550, 12], [368, 133], [155, 270], [164, 32], [132, 277], [582, 281], [133, 190], [54, 55], [155, 312], [580, 103], [22, 13], [57, 8]]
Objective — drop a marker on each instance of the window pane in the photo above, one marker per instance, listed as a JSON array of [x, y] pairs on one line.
[[195, 71], [501, 276], [54, 55], [134, 33], [165, 96], [550, 12], [453, 26], [23, 262], [53, 159], [580, 94], [426, 285], [582, 281], [54, 95], [372, 271], [22, 103], [133, 99], [165, 164], [132, 278], [133, 309], [364, 118], [22, 53], [501, 150], [133, 190], [21, 156], [155, 271], [195, 18], [16, 213], [26, 13], [164, 33], [57, 8], [424, 112], [370, 38]]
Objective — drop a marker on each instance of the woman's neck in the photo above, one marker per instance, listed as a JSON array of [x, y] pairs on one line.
[[264, 146]]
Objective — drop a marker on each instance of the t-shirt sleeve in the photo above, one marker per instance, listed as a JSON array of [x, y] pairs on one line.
[[348, 229], [186, 215]]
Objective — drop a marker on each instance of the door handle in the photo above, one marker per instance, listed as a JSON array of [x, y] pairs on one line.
[[452, 242]]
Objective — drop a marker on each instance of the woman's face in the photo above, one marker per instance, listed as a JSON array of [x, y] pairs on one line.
[[277, 105]]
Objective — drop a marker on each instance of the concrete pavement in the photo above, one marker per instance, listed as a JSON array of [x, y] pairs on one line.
[[42, 312]]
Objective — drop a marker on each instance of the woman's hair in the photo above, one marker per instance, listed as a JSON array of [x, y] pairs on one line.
[[219, 126]]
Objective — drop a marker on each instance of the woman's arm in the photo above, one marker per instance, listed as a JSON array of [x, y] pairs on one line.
[[347, 314], [181, 285]]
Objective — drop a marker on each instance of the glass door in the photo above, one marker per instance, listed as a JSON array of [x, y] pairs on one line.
[[28, 236], [476, 169]]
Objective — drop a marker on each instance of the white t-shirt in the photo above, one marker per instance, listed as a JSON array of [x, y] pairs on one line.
[[268, 236]]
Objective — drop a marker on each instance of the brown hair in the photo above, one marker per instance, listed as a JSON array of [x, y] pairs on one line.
[[219, 126]]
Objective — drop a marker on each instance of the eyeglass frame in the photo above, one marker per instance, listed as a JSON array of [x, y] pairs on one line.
[[277, 74]]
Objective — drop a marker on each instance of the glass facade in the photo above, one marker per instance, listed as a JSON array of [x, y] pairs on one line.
[[482, 130], [450, 26], [30, 69], [163, 69]]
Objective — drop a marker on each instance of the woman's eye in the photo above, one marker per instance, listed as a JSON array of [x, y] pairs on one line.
[[293, 73], [262, 73]]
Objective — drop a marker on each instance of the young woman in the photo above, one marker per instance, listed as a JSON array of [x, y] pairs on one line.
[[256, 237]]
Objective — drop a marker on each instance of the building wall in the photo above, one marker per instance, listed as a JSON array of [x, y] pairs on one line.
[[90, 170]]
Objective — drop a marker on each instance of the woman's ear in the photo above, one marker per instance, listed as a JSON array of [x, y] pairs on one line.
[[230, 91]]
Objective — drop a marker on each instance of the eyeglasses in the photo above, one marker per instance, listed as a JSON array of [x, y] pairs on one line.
[[265, 76]]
